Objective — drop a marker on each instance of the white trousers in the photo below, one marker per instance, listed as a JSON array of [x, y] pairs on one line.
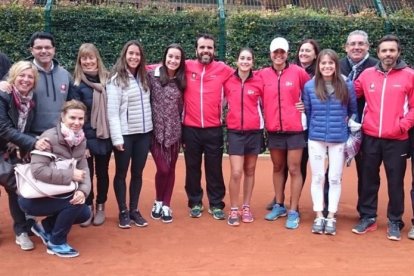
[[317, 156]]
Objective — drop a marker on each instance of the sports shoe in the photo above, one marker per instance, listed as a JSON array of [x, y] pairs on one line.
[[124, 220], [166, 214], [61, 250], [411, 233], [234, 218], [137, 218], [330, 226], [270, 205], [393, 231], [365, 225], [217, 213], [318, 225], [156, 210], [293, 219], [196, 211], [39, 231], [247, 215], [24, 241], [277, 211]]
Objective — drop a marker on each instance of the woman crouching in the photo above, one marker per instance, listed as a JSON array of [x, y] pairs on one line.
[[67, 141]]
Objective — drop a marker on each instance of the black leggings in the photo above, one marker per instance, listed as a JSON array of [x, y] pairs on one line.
[[99, 164], [136, 147]]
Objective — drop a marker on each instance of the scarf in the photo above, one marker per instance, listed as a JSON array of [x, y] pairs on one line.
[[99, 117], [72, 138], [24, 104], [356, 67]]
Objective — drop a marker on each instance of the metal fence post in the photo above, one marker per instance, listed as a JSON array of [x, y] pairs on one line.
[[48, 17], [380, 8], [222, 31]]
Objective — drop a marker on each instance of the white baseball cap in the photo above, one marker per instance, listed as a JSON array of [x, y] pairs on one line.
[[279, 43]]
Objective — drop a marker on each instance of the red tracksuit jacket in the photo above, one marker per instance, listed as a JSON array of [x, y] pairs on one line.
[[203, 96], [389, 96], [244, 102], [280, 94]]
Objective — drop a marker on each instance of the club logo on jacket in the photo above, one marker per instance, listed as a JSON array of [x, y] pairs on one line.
[[63, 88], [372, 87], [289, 83], [193, 76], [250, 92]]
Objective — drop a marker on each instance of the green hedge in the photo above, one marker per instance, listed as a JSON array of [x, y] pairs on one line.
[[110, 27]]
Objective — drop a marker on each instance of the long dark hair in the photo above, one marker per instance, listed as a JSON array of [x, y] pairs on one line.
[[180, 78], [120, 67], [338, 83]]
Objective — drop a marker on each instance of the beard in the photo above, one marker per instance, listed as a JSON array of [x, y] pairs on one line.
[[205, 58]]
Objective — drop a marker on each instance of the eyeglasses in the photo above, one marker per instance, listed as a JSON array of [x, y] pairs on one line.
[[357, 43], [39, 48]]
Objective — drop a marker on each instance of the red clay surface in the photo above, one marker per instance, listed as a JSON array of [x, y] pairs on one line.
[[205, 246]]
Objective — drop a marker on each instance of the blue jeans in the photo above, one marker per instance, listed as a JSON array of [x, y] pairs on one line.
[[60, 215]]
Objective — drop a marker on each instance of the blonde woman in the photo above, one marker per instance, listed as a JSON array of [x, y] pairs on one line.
[[16, 116], [90, 77]]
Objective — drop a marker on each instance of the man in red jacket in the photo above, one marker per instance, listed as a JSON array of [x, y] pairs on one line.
[[202, 130], [388, 89]]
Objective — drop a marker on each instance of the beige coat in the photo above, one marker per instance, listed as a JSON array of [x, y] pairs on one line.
[[43, 172]]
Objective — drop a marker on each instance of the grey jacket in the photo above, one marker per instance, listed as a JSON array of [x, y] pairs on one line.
[[129, 109], [43, 172], [49, 94]]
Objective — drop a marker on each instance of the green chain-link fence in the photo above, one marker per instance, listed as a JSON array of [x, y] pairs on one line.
[[235, 23]]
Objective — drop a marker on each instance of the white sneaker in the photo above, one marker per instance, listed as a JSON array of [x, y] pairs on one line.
[[24, 241], [411, 233], [166, 214], [156, 210]]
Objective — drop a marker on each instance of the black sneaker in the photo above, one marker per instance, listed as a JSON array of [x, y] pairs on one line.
[[365, 225], [394, 230], [124, 220], [166, 214], [137, 218]]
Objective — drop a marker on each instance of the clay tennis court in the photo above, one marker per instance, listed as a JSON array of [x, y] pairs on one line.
[[206, 246]]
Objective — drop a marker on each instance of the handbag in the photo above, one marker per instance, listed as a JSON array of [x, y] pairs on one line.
[[29, 187], [7, 163]]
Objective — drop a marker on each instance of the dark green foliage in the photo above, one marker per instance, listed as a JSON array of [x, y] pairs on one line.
[[17, 24], [109, 27]]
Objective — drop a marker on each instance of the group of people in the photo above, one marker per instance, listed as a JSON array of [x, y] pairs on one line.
[[304, 111]]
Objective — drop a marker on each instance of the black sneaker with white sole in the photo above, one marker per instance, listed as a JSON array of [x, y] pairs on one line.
[[124, 220], [137, 218]]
